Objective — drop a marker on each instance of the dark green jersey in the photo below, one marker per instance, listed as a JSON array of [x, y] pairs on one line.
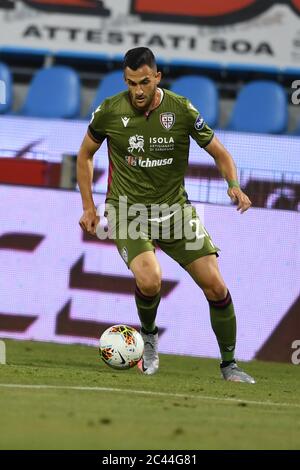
[[148, 154]]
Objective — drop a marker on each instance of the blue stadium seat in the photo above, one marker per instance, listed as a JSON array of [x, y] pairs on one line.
[[261, 106], [5, 89], [203, 94], [111, 84], [54, 92]]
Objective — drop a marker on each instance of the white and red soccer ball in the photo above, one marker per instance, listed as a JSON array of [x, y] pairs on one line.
[[121, 346]]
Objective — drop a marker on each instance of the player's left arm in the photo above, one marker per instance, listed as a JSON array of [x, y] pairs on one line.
[[227, 168]]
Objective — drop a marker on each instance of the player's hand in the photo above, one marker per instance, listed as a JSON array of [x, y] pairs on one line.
[[241, 199], [89, 221]]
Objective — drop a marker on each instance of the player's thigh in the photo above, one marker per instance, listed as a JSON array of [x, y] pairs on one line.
[[147, 272], [205, 272], [138, 254], [128, 247], [189, 240]]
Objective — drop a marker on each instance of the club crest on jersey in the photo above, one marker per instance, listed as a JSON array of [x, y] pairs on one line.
[[167, 120], [199, 123]]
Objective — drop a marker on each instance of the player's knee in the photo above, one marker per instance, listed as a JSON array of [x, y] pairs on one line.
[[216, 291], [150, 284]]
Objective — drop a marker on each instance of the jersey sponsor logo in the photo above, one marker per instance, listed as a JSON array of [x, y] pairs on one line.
[[161, 144], [161, 140], [167, 120], [147, 163], [136, 142], [199, 123], [125, 121], [131, 160], [159, 162]]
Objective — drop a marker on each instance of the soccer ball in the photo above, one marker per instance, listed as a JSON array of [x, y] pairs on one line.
[[121, 346]]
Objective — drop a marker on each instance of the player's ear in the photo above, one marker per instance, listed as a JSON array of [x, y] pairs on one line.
[[158, 77]]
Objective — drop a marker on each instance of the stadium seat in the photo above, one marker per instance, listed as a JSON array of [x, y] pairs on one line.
[[54, 92], [203, 94], [111, 84], [5, 89], [261, 106]]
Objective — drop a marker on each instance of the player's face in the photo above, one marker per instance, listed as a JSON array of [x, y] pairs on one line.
[[142, 84]]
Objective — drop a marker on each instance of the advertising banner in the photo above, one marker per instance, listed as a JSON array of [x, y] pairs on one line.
[[256, 32], [268, 166], [58, 284]]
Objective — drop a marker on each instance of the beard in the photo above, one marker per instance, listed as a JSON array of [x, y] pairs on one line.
[[143, 104]]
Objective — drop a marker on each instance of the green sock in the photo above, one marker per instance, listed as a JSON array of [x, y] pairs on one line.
[[223, 323], [147, 309]]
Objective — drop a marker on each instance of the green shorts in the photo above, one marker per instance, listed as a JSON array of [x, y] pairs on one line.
[[179, 233]]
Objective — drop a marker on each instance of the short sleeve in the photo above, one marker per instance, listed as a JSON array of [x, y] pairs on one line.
[[98, 123], [198, 129]]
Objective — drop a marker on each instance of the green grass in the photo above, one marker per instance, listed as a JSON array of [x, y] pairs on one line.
[[208, 413]]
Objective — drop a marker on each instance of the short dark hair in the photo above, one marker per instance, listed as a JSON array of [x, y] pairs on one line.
[[137, 57]]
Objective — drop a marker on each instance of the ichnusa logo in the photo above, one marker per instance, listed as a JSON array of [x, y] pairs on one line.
[[147, 163]]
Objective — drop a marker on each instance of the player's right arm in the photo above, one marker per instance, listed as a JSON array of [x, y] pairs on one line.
[[93, 139], [85, 169]]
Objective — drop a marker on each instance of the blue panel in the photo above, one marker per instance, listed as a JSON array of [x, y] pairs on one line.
[[24, 51], [291, 71], [196, 63], [268, 69], [81, 55]]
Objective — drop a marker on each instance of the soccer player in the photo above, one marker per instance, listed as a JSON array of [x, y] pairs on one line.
[[147, 130]]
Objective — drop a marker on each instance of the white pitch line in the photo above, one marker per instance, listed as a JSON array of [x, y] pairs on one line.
[[150, 393]]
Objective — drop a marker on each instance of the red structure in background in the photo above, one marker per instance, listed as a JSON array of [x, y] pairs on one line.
[[85, 7], [190, 7], [217, 12], [30, 172]]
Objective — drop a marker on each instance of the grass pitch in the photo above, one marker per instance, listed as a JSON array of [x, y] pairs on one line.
[[82, 404]]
